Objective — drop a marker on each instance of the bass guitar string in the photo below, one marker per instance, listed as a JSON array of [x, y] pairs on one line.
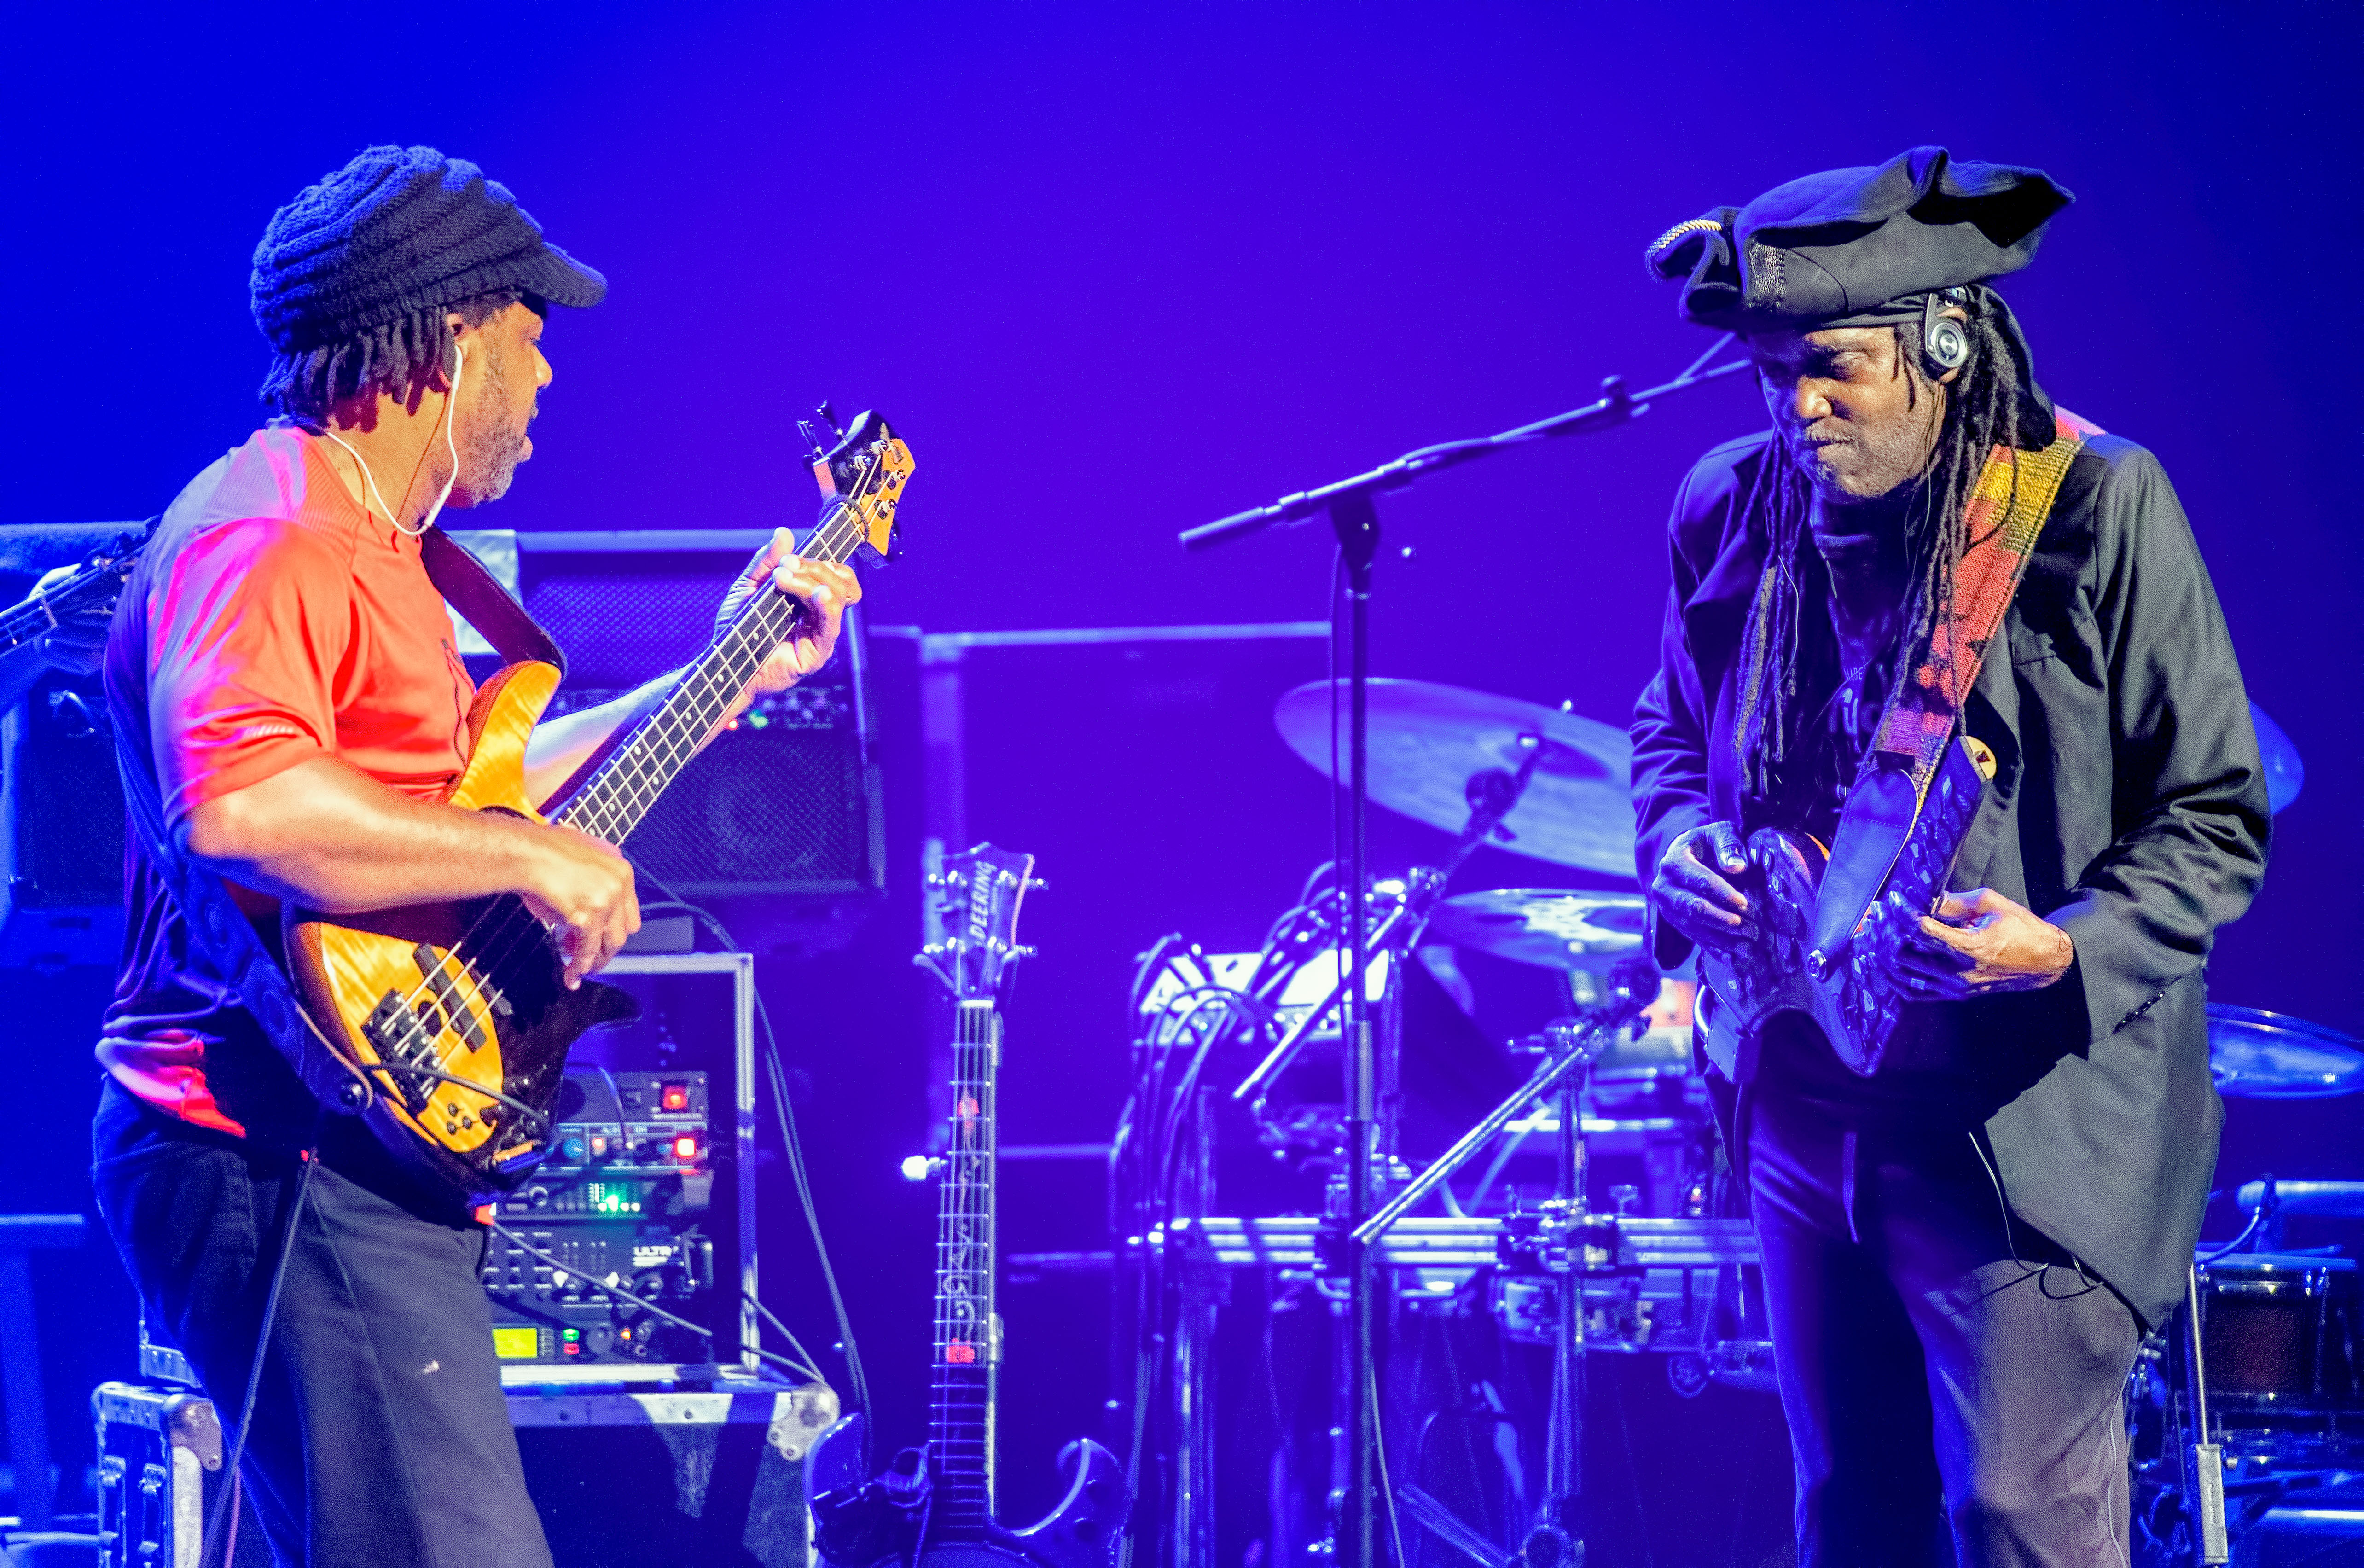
[[694, 694], [833, 542], [47, 610], [458, 968]]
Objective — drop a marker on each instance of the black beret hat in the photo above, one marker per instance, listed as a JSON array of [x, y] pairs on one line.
[[1832, 249], [395, 231]]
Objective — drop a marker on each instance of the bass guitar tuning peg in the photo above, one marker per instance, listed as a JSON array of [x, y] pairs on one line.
[[1017, 953], [1036, 884], [828, 415]]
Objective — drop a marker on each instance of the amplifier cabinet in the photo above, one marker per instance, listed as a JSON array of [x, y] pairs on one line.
[[60, 828], [785, 805], [650, 1466]]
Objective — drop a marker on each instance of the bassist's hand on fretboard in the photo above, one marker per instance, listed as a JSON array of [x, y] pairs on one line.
[[79, 640], [824, 588]]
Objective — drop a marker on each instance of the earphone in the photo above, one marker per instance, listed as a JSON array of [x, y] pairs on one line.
[[460, 365], [1945, 342]]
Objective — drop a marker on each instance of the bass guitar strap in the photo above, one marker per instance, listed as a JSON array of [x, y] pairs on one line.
[[251, 973], [470, 588], [2006, 511]]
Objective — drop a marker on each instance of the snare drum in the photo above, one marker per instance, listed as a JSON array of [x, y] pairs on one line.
[[2277, 1332]]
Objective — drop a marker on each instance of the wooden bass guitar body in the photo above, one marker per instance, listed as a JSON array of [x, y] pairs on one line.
[[453, 1019], [456, 1013]]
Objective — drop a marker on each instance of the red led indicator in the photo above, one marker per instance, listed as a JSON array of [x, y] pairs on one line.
[[685, 1147], [674, 1096], [960, 1354]]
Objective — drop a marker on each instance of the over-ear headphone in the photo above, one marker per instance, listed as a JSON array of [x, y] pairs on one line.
[[1945, 342]]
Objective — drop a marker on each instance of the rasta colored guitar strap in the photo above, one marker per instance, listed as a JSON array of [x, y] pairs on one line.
[[2006, 511]]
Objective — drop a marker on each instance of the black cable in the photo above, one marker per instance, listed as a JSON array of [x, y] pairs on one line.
[[812, 1362], [2040, 1273], [1338, 782], [542, 1126], [305, 1162], [792, 1146], [793, 1143]]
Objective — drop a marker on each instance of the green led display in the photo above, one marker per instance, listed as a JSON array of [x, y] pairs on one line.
[[604, 1198]]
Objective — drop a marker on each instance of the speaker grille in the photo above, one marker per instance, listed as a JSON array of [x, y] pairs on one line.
[[68, 803], [770, 810], [625, 617]]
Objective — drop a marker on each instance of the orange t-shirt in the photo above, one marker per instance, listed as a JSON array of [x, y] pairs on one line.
[[271, 621]]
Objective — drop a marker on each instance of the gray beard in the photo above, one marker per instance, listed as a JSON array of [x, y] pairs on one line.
[[489, 452]]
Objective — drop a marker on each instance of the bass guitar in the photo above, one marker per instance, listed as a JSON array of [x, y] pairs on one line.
[[455, 1014], [92, 587], [937, 1506], [1853, 995]]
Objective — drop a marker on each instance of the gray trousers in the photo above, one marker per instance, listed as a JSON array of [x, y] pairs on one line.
[[1953, 1381]]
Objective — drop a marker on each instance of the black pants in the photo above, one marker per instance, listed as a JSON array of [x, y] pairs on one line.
[[1953, 1381], [380, 1433]]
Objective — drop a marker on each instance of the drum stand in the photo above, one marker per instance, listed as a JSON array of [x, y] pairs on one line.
[[1569, 1051], [1352, 506], [2204, 1461]]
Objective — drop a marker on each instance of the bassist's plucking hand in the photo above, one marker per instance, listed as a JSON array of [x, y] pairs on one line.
[[1981, 942], [1694, 887], [583, 890]]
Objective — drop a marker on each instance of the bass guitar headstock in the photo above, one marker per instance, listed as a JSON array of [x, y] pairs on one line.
[[978, 894], [866, 470]]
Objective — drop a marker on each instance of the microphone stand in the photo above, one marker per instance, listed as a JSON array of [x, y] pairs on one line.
[[1351, 505]]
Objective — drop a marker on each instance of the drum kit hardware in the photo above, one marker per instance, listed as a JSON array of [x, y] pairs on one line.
[[1499, 1225], [2258, 1055]]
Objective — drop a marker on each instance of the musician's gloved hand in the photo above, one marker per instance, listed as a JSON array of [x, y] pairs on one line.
[[823, 589], [1979, 943], [1695, 889], [79, 644]]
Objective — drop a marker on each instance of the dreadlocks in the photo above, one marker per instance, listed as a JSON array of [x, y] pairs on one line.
[[405, 360], [1982, 412]]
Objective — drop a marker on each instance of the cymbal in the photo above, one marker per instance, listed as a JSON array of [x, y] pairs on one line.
[[1427, 740], [2257, 1055], [2285, 774], [1554, 927]]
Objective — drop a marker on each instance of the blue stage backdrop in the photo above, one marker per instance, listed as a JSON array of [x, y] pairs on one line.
[[1121, 269]]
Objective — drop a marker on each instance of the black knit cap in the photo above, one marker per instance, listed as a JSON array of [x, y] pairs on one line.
[[1858, 247], [396, 231]]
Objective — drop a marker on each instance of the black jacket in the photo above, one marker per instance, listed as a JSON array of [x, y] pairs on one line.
[[2128, 808]]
